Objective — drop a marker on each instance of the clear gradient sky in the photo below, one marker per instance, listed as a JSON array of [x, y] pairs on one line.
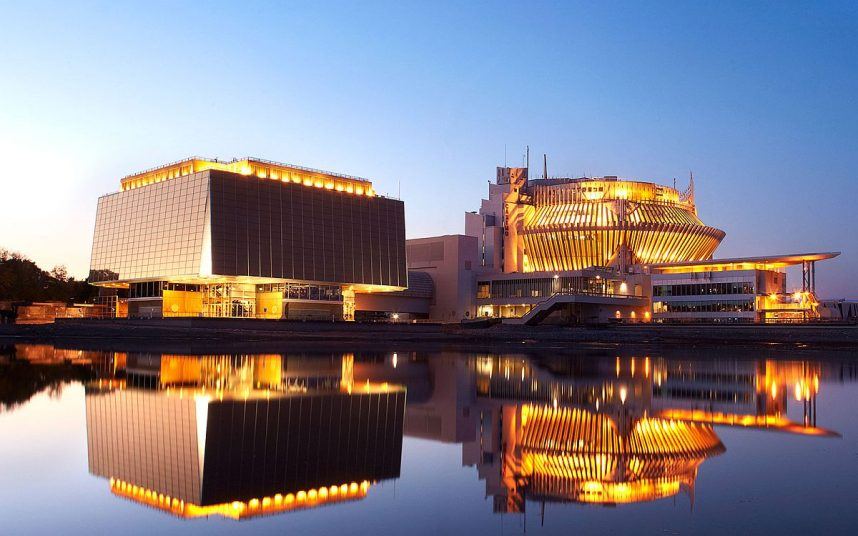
[[759, 99]]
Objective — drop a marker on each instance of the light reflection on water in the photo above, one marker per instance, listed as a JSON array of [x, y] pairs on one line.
[[425, 442]]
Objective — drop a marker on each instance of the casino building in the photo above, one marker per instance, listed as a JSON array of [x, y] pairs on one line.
[[571, 248], [604, 249], [245, 238]]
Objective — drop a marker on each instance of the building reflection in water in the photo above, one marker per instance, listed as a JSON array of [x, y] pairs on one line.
[[241, 436], [594, 430], [244, 435]]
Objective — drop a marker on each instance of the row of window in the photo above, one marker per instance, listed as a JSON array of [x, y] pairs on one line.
[[539, 287], [297, 291], [155, 289], [723, 306], [702, 393], [703, 289]]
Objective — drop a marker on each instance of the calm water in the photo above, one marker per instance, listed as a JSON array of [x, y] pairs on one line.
[[594, 441]]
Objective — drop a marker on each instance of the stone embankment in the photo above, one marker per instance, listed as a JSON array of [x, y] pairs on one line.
[[248, 330]]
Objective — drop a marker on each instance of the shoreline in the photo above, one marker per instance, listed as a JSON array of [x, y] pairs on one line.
[[240, 332]]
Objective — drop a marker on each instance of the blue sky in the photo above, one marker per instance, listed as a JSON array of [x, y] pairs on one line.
[[759, 99]]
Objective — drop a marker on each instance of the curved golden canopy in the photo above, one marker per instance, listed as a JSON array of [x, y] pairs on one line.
[[580, 224]]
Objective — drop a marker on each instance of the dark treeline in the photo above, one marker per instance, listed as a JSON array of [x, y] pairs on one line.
[[21, 380], [22, 280]]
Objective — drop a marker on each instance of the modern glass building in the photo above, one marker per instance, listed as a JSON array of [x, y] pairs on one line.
[[245, 238]]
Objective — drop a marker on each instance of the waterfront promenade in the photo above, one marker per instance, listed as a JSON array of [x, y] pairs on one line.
[[244, 330]]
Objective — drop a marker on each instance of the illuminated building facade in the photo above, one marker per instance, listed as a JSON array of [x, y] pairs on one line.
[[592, 295], [570, 250], [750, 289], [598, 250], [242, 436], [559, 224], [246, 238]]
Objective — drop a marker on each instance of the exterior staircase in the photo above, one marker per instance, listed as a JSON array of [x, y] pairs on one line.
[[550, 304]]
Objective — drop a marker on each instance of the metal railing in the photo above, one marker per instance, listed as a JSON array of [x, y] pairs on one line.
[[302, 168]]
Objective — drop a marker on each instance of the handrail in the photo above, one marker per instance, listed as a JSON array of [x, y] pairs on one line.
[[169, 164], [303, 168], [567, 293]]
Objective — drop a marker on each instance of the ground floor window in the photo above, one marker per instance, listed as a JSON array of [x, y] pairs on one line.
[[715, 306]]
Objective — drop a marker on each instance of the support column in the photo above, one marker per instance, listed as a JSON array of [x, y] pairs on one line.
[[348, 304], [813, 277]]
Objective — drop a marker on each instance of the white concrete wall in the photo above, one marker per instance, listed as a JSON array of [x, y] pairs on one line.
[[451, 261]]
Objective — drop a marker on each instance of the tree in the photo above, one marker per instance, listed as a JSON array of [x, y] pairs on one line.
[[60, 273], [22, 280]]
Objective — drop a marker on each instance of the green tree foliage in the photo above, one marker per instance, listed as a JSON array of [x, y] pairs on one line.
[[22, 280]]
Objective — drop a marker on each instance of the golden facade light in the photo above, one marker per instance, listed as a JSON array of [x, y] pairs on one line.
[[263, 169], [241, 509], [593, 222]]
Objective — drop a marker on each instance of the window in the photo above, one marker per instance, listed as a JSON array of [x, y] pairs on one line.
[[483, 290], [701, 289]]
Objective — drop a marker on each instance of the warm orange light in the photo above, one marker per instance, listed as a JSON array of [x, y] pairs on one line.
[[248, 166], [237, 509], [777, 422], [596, 215]]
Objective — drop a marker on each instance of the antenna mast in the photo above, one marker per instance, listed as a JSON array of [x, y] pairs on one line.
[[527, 158], [544, 166]]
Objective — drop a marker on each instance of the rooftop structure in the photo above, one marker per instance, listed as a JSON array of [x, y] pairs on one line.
[[258, 167], [766, 262]]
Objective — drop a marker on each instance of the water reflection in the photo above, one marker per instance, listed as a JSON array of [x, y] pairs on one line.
[[27, 369], [244, 435], [587, 430], [241, 435]]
